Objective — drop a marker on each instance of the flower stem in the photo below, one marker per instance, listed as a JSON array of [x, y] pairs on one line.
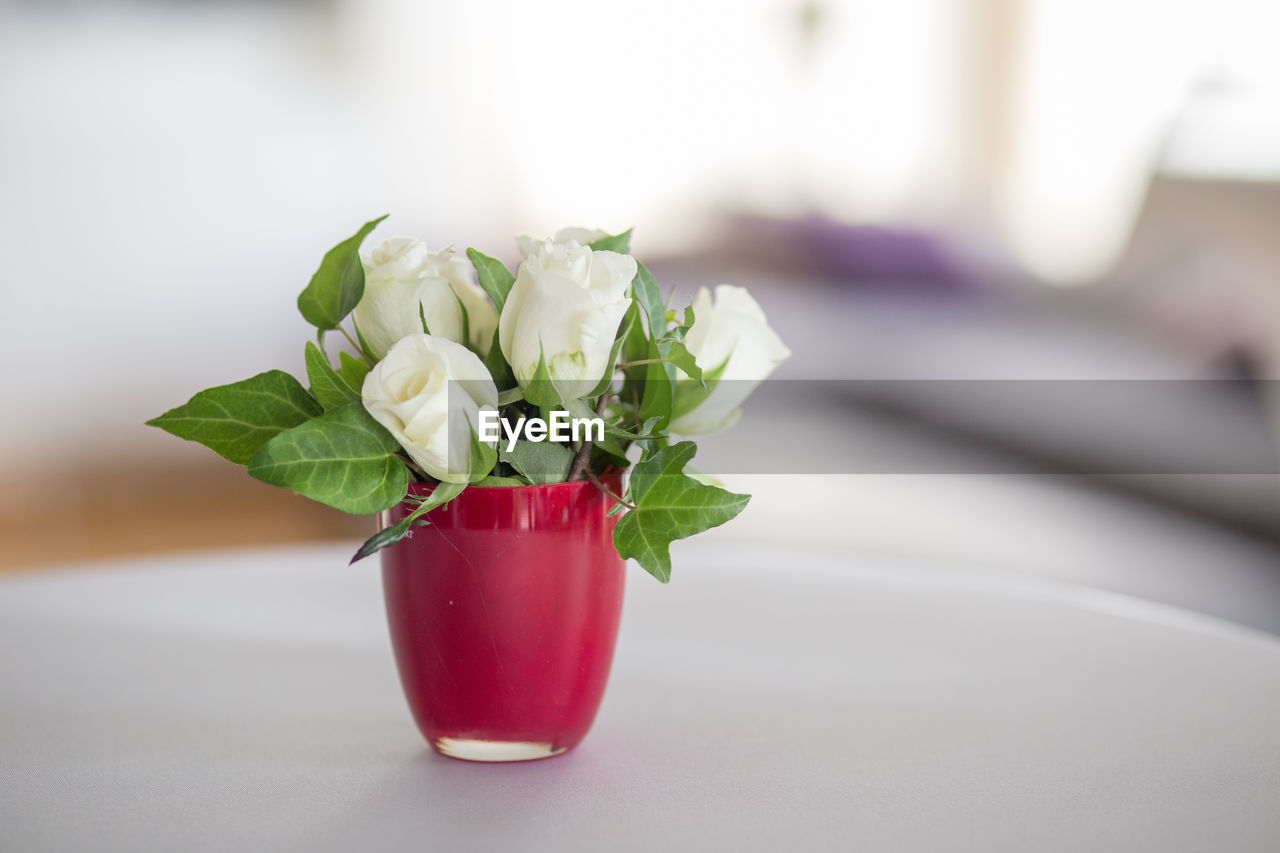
[[581, 460], [608, 491], [355, 344], [412, 466], [622, 365]]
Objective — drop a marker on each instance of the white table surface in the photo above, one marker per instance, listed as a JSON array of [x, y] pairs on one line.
[[765, 699]]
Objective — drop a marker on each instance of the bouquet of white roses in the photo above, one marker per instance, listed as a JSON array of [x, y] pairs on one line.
[[462, 375]]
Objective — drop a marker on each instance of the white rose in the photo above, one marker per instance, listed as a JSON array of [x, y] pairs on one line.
[[731, 332], [565, 306], [401, 275], [428, 392], [581, 236]]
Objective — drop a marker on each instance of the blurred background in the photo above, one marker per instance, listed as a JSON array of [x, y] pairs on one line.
[[924, 190]]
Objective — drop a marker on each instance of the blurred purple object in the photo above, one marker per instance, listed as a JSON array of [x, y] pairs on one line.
[[858, 253]]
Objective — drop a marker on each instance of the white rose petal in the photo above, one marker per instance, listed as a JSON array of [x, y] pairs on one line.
[[731, 331], [565, 306], [428, 392], [401, 275], [579, 236], [482, 317]]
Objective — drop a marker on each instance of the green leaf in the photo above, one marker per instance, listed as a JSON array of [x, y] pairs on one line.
[[620, 243], [645, 288], [645, 430], [465, 335], [495, 279], [483, 458], [384, 537], [690, 395], [704, 479], [683, 359], [353, 370], [344, 459], [678, 332], [635, 345], [539, 390], [608, 454], [338, 284], [364, 345], [439, 496], [235, 420], [540, 462], [657, 379], [326, 384], [496, 363], [669, 505], [632, 317], [578, 409], [504, 482], [659, 386]]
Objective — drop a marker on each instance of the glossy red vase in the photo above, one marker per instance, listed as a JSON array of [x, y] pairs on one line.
[[503, 613]]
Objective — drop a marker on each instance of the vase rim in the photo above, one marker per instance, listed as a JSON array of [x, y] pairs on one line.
[[610, 477]]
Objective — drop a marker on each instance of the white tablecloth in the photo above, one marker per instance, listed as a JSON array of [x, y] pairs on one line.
[[764, 700]]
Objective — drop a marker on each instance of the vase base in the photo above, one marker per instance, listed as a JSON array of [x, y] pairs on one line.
[[494, 750]]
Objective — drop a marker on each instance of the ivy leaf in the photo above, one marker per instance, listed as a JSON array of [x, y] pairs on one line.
[[669, 505], [635, 345], [326, 384], [683, 359], [645, 288], [678, 332], [353, 370], [620, 243], [659, 378], [644, 431], [235, 420], [659, 386], [338, 284], [495, 279], [439, 496], [344, 459], [539, 462], [689, 396]]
